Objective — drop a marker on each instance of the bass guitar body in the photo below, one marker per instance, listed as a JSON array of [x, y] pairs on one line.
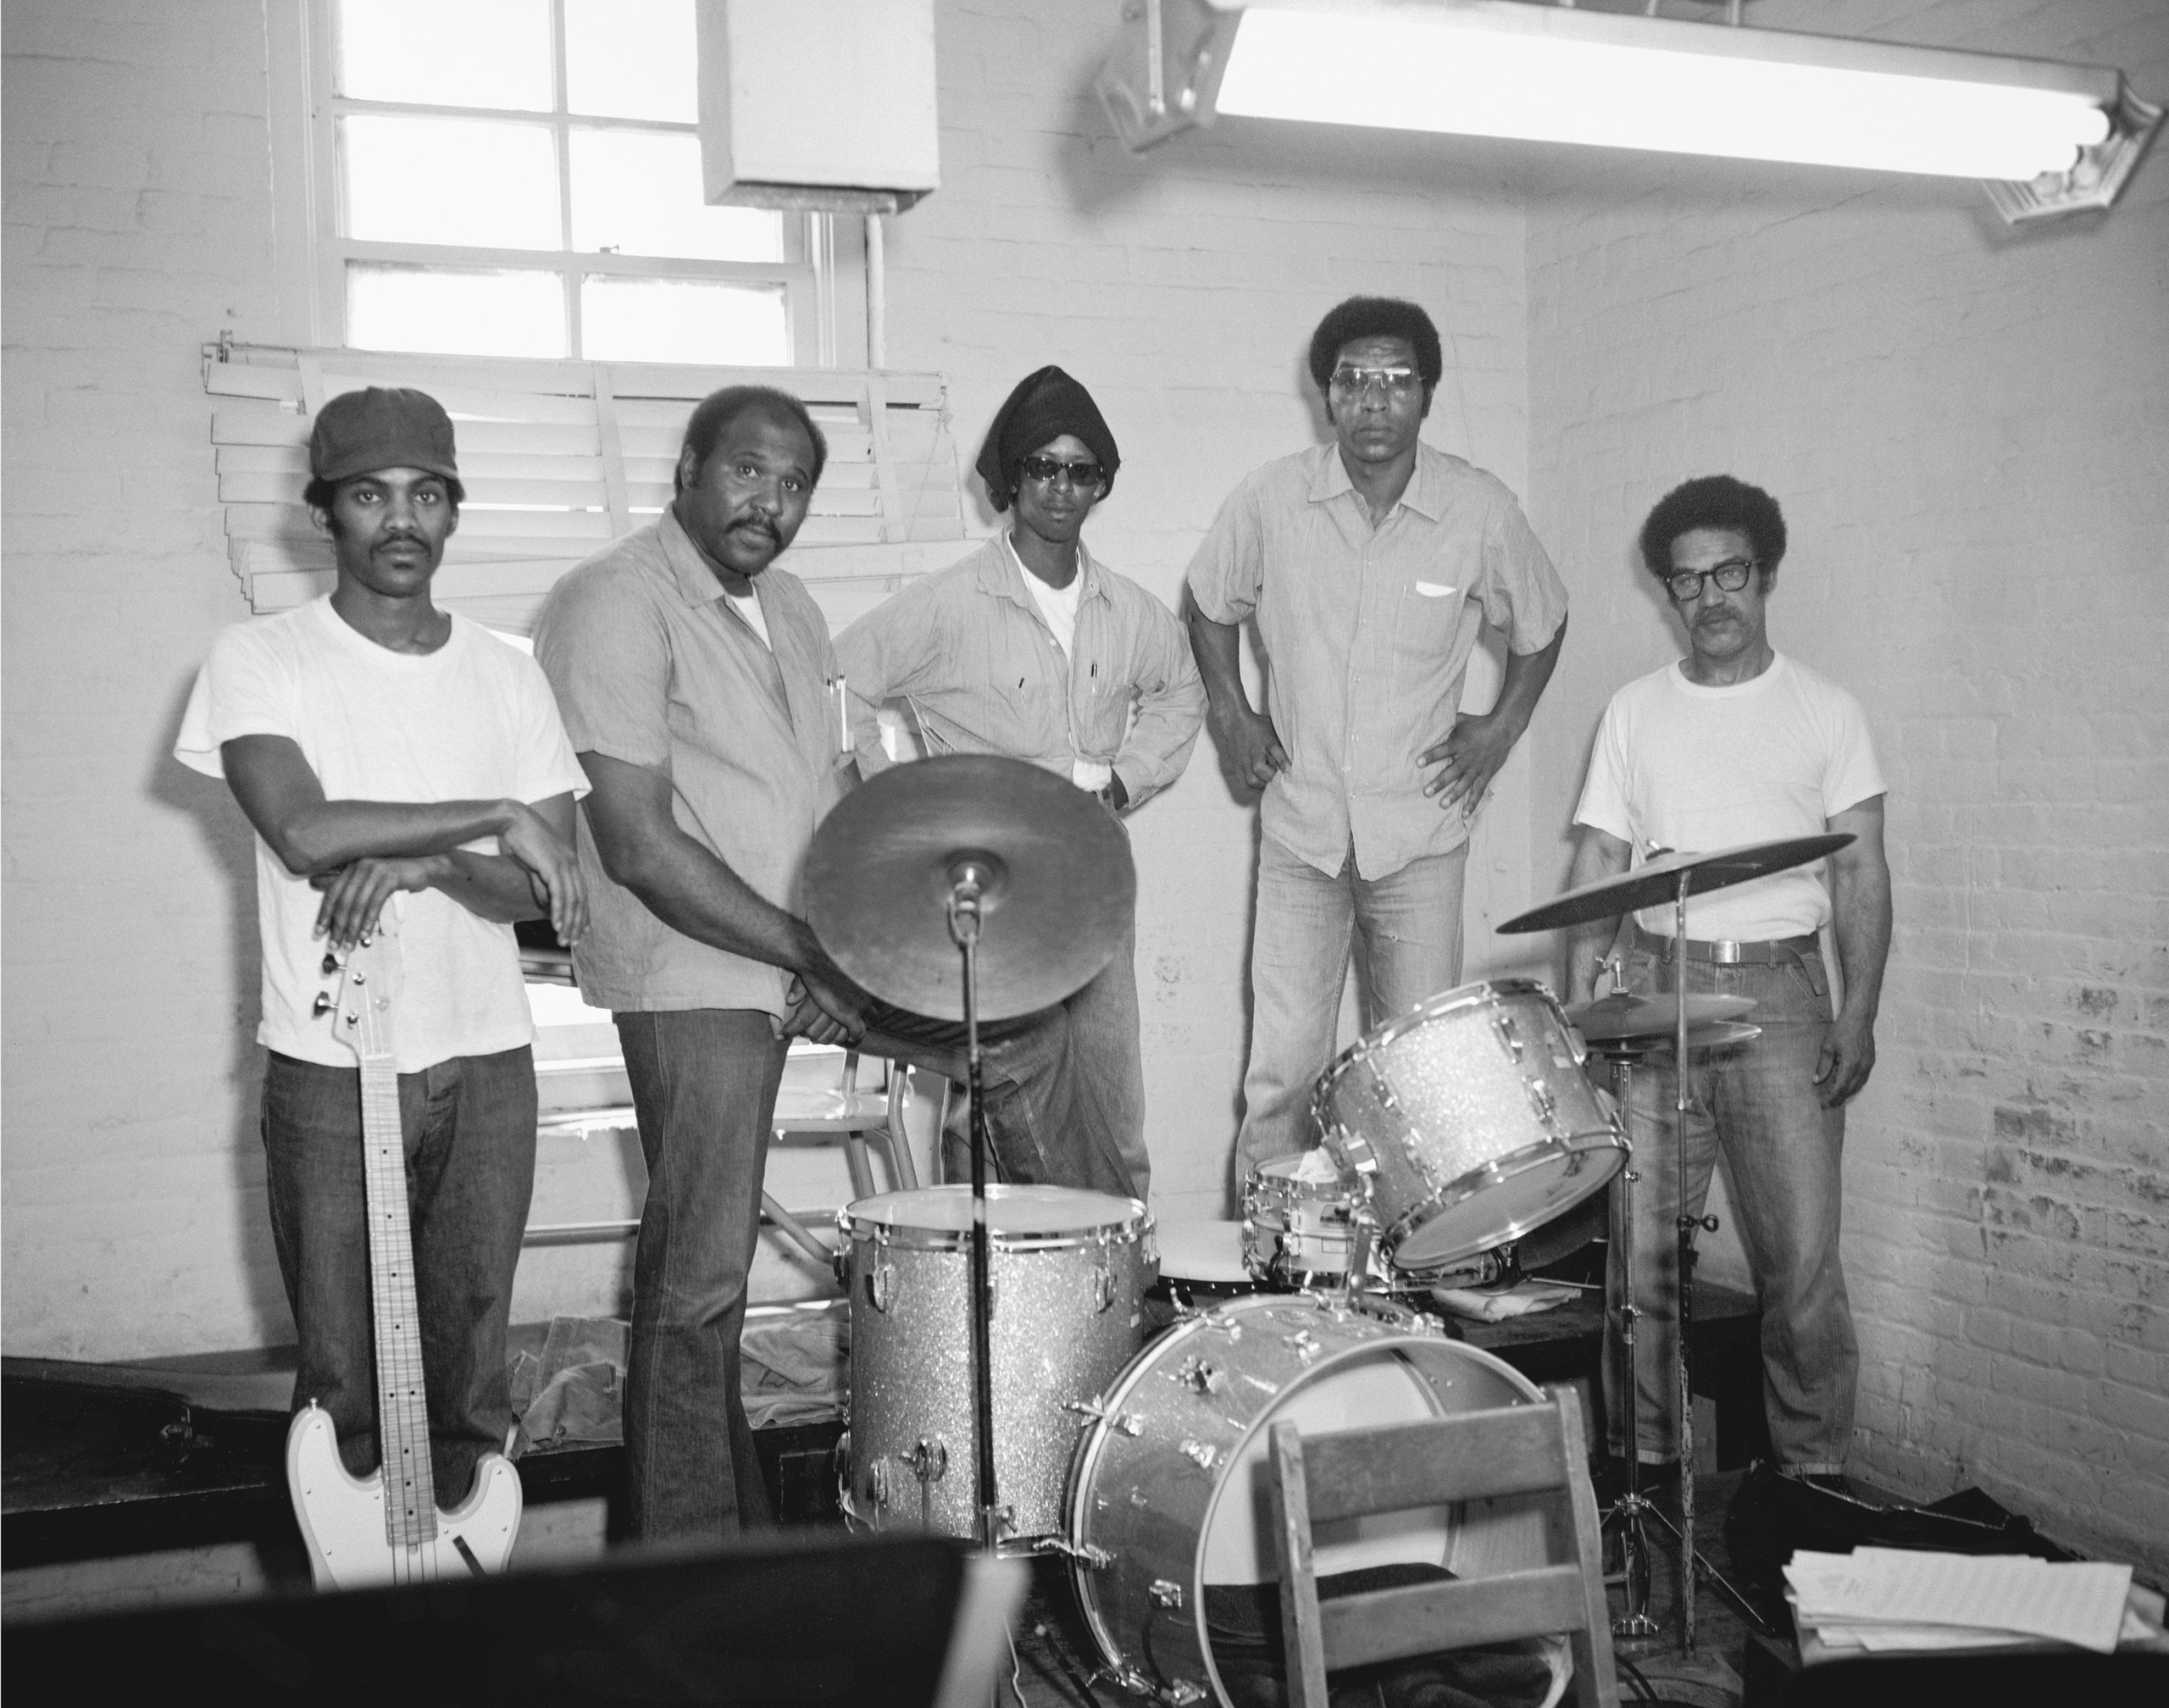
[[346, 1530], [368, 1531]]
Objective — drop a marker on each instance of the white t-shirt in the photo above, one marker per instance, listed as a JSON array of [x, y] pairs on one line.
[[1696, 769], [1060, 605], [748, 605], [473, 720]]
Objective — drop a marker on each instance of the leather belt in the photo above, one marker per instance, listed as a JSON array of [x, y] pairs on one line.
[[1724, 952]]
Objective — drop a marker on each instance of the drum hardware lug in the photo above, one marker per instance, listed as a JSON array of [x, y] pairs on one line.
[[1508, 1035], [1541, 1099], [929, 1461], [1182, 1693], [1203, 1453], [882, 1286], [1166, 1592], [1302, 1343], [1103, 1290], [1093, 1412], [1199, 1373], [1355, 1151], [877, 1483]]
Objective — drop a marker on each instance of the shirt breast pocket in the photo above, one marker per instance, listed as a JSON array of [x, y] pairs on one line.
[[1429, 613]]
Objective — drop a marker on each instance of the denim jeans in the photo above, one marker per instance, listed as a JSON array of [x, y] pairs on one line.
[[704, 1093], [469, 1127], [1757, 1102], [1104, 1026], [1046, 1124], [1407, 928]]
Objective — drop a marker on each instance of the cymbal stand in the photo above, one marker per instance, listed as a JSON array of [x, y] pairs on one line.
[[1691, 1562], [968, 880]]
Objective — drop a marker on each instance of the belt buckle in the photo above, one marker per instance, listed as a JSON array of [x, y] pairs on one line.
[[1724, 952]]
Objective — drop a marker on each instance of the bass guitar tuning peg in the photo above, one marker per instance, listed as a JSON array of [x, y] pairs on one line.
[[330, 964], [323, 1005]]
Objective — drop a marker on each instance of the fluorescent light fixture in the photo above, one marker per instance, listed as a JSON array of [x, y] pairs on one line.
[[1553, 74]]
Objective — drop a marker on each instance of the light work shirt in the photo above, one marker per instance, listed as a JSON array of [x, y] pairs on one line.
[[968, 649], [652, 666], [1367, 633]]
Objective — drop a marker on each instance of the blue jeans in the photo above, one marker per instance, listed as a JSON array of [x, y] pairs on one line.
[[1407, 928], [469, 1127], [1756, 1101], [704, 1085], [1110, 1062]]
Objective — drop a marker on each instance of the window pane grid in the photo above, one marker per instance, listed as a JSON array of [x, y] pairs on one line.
[[740, 264]]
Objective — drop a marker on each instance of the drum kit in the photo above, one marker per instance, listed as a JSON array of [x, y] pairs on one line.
[[1044, 1370]]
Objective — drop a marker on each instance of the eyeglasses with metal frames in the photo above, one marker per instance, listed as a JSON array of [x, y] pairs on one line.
[[1042, 471], [1358, 382], [1685, 585]]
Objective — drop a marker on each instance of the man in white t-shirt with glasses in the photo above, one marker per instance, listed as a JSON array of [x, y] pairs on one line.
[[1739, 743]]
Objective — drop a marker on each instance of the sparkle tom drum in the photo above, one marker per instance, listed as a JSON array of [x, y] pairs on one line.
[[1469, 1120], [1069, 1270]]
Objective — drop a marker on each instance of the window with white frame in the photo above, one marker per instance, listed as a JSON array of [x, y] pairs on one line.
[[523, 178]]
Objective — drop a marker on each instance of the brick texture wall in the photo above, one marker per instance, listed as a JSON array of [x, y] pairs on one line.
[[1966, 425]]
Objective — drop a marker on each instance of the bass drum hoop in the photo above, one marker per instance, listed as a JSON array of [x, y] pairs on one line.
[[1087, 1463]]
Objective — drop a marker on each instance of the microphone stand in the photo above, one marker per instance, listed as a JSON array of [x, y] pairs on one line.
[[968, 878]]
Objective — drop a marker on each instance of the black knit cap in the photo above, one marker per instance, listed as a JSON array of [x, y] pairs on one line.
[[1045, 406]]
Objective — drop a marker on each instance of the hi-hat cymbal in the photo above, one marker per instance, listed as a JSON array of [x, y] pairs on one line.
[[1657, 883], [1059, 894], [1638, 1017], [1712, 1034]]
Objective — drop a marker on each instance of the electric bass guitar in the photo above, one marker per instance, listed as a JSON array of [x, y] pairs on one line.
[[361, 1532]]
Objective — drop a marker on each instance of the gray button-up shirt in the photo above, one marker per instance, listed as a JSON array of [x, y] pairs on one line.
[[967, 647], [652, 666], [1367, 633]]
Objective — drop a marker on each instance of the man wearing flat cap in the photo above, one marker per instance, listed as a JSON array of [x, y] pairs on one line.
[[1105, 692], [1370, 565], [409, 785]]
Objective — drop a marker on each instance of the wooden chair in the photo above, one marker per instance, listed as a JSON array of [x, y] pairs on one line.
[[1517, 1450]]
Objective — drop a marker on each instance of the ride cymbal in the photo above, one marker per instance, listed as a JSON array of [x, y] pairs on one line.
[[1059, 891], [1656, 884]]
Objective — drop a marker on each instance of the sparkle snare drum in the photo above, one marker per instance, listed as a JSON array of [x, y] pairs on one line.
[[1469, 1122], [1295, 1211], [1069, 1270], [1170, 1495]]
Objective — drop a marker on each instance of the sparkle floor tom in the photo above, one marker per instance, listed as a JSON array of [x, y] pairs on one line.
[[1170, 1493], [1469, 1122], [1069, 1270]]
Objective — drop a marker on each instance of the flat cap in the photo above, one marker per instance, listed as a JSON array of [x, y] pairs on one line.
[[381, 427]]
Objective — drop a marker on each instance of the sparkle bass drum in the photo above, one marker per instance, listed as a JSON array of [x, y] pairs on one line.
[[1169, 1499], [1469, 1122], [1069, 1270]]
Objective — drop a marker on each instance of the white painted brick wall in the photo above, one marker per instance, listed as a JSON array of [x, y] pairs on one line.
[[139, 224], [1965, 425]]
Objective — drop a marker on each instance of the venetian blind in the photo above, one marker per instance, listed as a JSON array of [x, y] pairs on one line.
[[558, 458]]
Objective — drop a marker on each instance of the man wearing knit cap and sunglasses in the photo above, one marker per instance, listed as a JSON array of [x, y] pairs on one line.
[[1370, 565], [1031, 648], [405, 770]]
